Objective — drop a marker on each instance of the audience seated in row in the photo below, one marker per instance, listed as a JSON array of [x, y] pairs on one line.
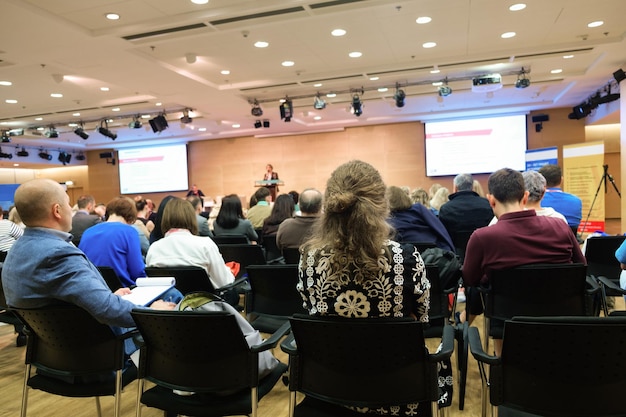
[[567, 204], [261, 210], [83, 219], [231, 221], [203, 223], [295, 231], [282, 209]]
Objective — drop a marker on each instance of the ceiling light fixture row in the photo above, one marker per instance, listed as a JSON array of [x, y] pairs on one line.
[[604, 95]]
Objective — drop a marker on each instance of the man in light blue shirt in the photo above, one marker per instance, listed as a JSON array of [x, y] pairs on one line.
[[567, 204]]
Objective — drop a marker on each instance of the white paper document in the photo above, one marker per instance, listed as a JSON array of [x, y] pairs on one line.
[[149, 289]]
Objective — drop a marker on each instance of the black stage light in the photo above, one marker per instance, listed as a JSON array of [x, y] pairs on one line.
[[23, 152], [45, 155], [581, 111], [444, 90], [399, 97], [135, 124], [319, 103], [186, 119], [5, 155], [158, 124], [522, 83], [52, 133], [619, 75], [81, 132], [106, 132], [286, 110], [357, 106], [64, 157], [266, 123], [80, 157], [5, 137], [256, 110], [258, 124]]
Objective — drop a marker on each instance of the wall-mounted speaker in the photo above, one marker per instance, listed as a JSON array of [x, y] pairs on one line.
[[106, 155], [540, 118]]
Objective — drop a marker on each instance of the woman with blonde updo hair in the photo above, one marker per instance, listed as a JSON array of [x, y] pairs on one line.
[[351, 268]]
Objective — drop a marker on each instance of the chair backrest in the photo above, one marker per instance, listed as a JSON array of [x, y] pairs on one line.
[[438, 299], [537, 290], [244, 254], [67, 338], [273, 290], [110, 277], [195, 351], [562, 366], [361, 362], [600, 255], [230, 239], [271, 249], [188, 278], [291, 255], [460, 239]]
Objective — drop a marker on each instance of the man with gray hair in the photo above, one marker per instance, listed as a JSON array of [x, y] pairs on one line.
[[465, 212], [293, 232]]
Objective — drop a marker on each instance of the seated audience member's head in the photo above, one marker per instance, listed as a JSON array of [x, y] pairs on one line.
[[310, 202], [535, 184], [420, 196], [122, 208], [477, 188], [507, 187], [398, 199], [553, 175], [262, 194], [295, 196], [440, 198], [44, 203], [86, 202], [463, 182], [196, 203], [179, 214], [230, 212], [354, 221]]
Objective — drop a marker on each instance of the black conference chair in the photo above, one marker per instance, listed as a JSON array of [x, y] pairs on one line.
[[291, 255], [556, 366], [338, 362], [230, 239], [272, 253], [75, 355], [205, 353], [7, 316], [110, 277], [244, 254], [537, 290], [601, 261], [273, 297]]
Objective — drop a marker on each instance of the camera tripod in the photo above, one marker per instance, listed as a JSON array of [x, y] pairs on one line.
[[603, 180]]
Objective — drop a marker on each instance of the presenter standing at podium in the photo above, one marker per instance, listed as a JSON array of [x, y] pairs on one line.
[[271, 175]]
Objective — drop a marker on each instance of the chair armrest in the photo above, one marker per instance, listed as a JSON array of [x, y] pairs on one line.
[[272, 341], [593, 285], [236, 283], [289, 345], [447, 345], [128, 334], [476, 347], [609, 284]]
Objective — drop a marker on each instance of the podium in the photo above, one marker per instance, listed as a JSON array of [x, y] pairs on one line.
[[271, 185]]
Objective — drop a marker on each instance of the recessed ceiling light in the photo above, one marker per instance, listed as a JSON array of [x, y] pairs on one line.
[[104, 88], [317, 85], [76, 114], [145, 116], [199, 1], [507, 35], [10, 101], [158, 104], [338, 32], [595, 24], [331, 95], [202, 129], [56, 95], [317, 118], [355, 54], [422, 20], [437, 84], [38, 118], [40, 128], [374, 78], [568, 56], [435, 70], [224, 72], [236, 126], [115, 109], [261, 44], [517, 7], [429, 45], [72, 124], [383, 89], [112, 16], [6, 83], [288, 63], [556, 71]]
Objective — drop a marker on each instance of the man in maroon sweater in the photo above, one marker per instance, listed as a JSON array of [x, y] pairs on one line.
[[519, 237]]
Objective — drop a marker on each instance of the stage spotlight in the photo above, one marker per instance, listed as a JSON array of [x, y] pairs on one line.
[[104, 131], [522, 81], [579, 112], [399, 97], [258, 124], [158, 124], [619, 75], [45, 155], [81, 132], [286, 110], [256, 110], [52, 133], [319, 103], [136, 123], [80, 156], [64, 157], [444, 91], [266, 123], [357, 106], [5, 137], [23, 152], [5, 155], [186, 119]]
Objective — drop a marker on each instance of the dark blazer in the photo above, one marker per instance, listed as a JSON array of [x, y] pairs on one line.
[[81, 222]]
